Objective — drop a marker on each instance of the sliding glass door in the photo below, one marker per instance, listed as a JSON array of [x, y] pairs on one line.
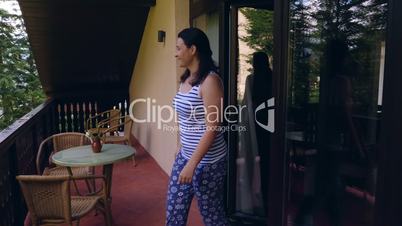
[[334, 108], [308, 82], [250, 88]]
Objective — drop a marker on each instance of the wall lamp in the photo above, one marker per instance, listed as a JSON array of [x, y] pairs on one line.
[[161, 36]]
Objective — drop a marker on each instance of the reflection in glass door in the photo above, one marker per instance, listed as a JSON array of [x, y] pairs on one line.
[[253, 44], [336, 62]]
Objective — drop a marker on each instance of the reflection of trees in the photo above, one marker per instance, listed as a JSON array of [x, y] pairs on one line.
[[361, 25], [348, 19], [358, 23], [260, 36], [259, 30], [300, 45]]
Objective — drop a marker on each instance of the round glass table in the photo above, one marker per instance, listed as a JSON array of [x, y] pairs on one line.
[[82, 156]]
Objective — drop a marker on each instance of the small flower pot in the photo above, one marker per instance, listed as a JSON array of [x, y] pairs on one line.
[[96, 145]]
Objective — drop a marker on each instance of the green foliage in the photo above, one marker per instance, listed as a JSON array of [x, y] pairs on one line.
[[259, 30], [20, 88], [300, 65], [359, 24]]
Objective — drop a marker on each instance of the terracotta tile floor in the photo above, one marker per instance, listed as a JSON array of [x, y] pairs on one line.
[[139, 195]]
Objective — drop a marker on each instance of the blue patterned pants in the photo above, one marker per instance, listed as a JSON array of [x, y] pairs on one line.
[[207, 185]]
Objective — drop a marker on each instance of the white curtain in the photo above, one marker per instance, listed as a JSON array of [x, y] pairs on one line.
[[248, 183]]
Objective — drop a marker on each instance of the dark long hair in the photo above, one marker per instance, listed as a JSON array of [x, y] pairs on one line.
[[194, 36]]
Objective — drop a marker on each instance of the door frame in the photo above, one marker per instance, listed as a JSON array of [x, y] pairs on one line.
[[278, 157], [276, 194], [389, 184]]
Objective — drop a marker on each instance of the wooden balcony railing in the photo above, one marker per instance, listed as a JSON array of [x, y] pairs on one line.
[[19, 144], [71, 114]]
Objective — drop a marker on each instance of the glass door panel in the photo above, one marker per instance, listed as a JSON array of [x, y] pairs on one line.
[[253, 37], [335, 74]]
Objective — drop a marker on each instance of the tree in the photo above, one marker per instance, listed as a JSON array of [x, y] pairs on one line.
[[300, 44], [20, 88], [259, 30], [360, 24]]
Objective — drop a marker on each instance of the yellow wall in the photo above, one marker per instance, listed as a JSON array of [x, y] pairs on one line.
[[156, 76]]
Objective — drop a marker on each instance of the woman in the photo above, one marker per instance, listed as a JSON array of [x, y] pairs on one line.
[[200, 165]]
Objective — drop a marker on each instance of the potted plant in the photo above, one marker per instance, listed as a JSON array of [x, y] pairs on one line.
[[96, 137]]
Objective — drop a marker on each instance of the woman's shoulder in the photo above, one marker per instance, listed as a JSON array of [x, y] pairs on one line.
[[212, 76], [211, 83]]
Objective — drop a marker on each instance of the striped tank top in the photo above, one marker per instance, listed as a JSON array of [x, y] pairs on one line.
[[191, 117]]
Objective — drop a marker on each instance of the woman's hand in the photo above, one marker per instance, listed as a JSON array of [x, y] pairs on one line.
[[186, 175]]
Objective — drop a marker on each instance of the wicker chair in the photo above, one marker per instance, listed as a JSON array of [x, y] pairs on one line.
[[103, 121], [49, 201], [60, 142], [120, 136]]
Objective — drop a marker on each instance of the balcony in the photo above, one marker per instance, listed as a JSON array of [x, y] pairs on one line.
[[85, 54], [138, 193]]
